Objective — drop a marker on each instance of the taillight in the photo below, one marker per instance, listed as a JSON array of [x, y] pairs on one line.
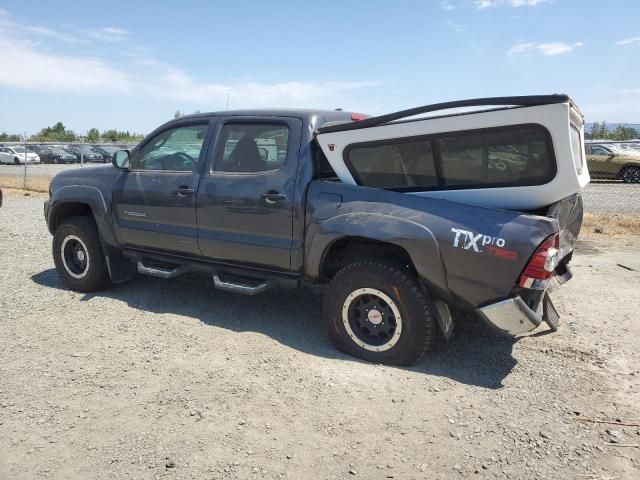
[[356, 117], [543, 262]]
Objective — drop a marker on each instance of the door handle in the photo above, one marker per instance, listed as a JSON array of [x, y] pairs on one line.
[[273, 196], [184, 191]]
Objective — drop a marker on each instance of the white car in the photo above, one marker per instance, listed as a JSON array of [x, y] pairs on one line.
[[16, 155]]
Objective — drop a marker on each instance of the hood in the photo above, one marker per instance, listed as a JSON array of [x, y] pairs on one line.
[[82, 175]]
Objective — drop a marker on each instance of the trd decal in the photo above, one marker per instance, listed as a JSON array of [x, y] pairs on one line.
[[479, 242]]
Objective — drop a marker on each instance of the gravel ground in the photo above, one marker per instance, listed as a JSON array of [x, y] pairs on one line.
[[170, 379]]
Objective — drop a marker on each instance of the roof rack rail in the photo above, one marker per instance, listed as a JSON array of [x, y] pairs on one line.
[[517, 101]]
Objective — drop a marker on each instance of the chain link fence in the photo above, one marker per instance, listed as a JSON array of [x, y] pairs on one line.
[[31, 166]]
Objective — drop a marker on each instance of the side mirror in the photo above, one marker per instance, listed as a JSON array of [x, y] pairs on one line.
[[120, 159]]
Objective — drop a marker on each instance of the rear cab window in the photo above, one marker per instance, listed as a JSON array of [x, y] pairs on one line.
[[495, 157]]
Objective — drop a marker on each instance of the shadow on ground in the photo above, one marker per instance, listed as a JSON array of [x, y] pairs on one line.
[[475, 355]]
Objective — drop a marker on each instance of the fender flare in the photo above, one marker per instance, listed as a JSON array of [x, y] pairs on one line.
[[89, 195], [416, 239], [120, 268]]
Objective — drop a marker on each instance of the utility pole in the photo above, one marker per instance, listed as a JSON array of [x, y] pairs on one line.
[[24, 177], [228, 95]]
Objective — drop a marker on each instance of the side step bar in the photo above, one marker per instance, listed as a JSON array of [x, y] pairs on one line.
[[159, 272], [243, 288]]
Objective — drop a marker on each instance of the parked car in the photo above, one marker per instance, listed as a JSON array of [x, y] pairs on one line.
[[400, 219], [604, 163], [86, 154], [57, 155], [16, 155], [106, 151]]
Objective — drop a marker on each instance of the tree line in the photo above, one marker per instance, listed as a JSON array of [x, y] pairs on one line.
[[59, 133], [600, 131]]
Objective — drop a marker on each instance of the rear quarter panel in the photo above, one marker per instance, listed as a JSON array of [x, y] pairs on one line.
[[466, 254]]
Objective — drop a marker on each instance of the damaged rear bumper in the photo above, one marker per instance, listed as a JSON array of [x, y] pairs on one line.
[[514, 317]]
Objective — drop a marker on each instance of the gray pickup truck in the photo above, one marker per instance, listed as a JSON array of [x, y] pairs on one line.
[[401, 217]]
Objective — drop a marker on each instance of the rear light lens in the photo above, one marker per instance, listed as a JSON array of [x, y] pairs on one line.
[[356, 117], [543, 262]]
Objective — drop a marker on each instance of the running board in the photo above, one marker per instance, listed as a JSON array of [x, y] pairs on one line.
[[159, 272], [240, 287]]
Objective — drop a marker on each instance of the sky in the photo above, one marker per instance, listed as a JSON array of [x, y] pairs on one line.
[[130, 65]]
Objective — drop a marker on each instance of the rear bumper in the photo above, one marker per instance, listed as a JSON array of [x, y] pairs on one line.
[[512, 316]]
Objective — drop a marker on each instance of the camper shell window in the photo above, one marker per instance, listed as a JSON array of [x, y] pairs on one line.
[[495, 157]]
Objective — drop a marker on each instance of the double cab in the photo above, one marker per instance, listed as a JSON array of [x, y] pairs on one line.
[[401, 216]]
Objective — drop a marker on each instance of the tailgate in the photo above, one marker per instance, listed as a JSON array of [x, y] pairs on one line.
[[568, 212]]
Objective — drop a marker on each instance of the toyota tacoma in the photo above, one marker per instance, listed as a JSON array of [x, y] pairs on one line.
[[402, 215]]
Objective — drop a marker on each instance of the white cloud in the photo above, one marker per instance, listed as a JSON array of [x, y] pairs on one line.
[[108, 34], [448, 5], [27, 67], [456, 27], [24, 67], [548, 49], [482, 4], [629, 41], [11, 27]]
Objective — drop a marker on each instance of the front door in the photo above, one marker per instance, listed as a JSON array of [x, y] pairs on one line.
[[600, 162], [155, 200], [245, 199]]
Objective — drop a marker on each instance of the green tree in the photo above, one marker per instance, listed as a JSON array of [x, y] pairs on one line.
[[56, 133], [111, 135], [93, 135], [9, 137]]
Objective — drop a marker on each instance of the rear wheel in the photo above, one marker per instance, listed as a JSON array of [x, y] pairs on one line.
[[377, 311], [630, 174], [78, 255]]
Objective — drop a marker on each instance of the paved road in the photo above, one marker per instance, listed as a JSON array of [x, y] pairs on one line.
[[599, 197]]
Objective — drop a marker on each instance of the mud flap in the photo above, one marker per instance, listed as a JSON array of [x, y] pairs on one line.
[[444, 318], [549, 313]]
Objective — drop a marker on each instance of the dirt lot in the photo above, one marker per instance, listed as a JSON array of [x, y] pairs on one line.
[[171, 379]]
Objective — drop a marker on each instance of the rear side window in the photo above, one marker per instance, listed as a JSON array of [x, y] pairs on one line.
[[251, 147], [407, 164], [576, 149], [505, 156]]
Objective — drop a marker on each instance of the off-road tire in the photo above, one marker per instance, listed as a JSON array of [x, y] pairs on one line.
[[418, 326], [96, 275], [630, 174]]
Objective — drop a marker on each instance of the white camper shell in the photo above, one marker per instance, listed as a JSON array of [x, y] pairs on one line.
[[525, 155]]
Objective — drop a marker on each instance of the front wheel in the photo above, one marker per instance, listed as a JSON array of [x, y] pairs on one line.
[[78, 255], [377, 312], [16, 161]]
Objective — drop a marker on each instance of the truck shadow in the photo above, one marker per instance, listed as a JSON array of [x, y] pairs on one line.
[[475, 355]]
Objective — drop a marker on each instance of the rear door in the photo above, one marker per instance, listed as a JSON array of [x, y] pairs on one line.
[[245, 208], [5, 155], [155, 201]]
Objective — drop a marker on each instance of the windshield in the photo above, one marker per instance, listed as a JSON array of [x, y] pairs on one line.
[[21, 150]]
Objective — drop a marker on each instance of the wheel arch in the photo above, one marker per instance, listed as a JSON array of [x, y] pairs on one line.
[[75, 200], [359, 236]]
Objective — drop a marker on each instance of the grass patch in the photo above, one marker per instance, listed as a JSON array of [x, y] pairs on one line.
[[610, 224], [34, 184]]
